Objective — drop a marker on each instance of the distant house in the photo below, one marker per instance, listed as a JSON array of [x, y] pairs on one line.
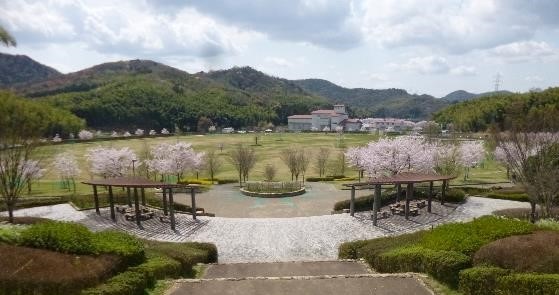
[[228, 130], [324, 120], [387, 124]]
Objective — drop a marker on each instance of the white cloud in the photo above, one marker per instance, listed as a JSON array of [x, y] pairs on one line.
[[534, 79], [377, 77], [525, 51], [424, 65], [278, 61], [463, 71]]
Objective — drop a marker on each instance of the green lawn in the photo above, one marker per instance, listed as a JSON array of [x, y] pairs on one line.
[[268, 151]]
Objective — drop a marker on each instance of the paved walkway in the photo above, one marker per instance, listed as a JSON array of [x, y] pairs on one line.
[[331, 277], [277, 239], [226, 201]]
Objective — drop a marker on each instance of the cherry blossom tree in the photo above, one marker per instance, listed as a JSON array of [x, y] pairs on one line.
[[472, 153], [56, 138], [114, 134], [139, 132], [67, 168], [110, 162], [152, 132], [85, 135], [175, 159], [126, 134], [164, 131], [33, 171]]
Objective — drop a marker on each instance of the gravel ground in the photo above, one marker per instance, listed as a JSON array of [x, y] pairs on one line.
[[272, 239]]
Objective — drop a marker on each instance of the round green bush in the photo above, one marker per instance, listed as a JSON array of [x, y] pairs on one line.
[[64, 237], [121, 244]]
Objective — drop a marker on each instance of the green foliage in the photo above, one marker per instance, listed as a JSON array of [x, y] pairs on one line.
[[481, 280], [121, 244], [10, 234], [317, 179], [507, 195], [61, 237], [365, 202], [29, 118], [226, 181], [128, 282], [272, 187], [548, 224], [528, 284], [455, 195], [442, 265], [468, 237], [536, 109], [35, 202], [187, 254], [352, 250], [371, 249]]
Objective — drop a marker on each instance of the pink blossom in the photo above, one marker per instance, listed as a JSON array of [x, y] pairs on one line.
[[110, 162]]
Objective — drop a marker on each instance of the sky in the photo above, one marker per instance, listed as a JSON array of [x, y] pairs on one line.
[[432, 47]]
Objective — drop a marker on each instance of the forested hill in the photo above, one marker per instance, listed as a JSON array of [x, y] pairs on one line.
[[16, 69], [376, 102], [150, 95], [538, 108], [461, 95]]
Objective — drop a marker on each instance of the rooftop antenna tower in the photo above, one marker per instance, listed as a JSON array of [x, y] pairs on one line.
[[497, 81]]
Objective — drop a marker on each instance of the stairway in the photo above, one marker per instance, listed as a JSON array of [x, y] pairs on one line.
[[294, 278]]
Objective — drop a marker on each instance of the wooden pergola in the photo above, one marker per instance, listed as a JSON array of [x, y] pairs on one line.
[[407, 178], [135, 184]]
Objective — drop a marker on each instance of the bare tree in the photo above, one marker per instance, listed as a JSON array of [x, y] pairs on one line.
[[269, 172], [322, 160], [15, 176], [289, 157], [303, 161], [213, 163], [243, 159], [528, 155]]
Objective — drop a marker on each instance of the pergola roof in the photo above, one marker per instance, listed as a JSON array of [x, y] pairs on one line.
[[404, 178], [135, 182]]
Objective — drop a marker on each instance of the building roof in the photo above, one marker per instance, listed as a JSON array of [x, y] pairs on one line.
[[331, 112], [134, 182], [404, 178], [300, 117]]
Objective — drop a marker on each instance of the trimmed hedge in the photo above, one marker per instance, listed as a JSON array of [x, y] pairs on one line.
[[365, 202], [29, 202], [10, 235], [187, 254], [486, 280], [512, 196], [317, 179], [528, 284], [468, 237], [442, 265], [121, 244], [61, 237], [481, 280]]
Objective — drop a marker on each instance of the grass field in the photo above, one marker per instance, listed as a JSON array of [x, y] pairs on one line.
[[268, 151]]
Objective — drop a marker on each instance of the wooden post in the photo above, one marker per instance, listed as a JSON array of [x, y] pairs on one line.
[[137, 207], [193, 200], [430, 196], [398, 191], [165, 201], [409, 195], [443, 192], [143, 196], [376, 203], [96, 200], [112, 203], [129, 197], [171, 209], [352, 202]]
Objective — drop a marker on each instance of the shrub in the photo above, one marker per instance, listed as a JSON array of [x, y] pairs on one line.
[[521, 197], [62, 237], [528, 284], [351, 250], [480, 280], [365, 202], [474, 191], [371, 249], [536, 252], [188, 254], [317, 179], [336, 176], [48, 272], [226, 181], [25, 219], [10, 234], [469, 237], [548, 224], [442, 265], [121, 244], [136, 279], [30, 202], [455, 195]]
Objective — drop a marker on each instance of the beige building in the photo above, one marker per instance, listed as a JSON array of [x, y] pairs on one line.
[[324, 120]]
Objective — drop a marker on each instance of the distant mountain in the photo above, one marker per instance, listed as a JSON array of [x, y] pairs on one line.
[[461, 95], [150, 95], [16, 69], [376, 102]]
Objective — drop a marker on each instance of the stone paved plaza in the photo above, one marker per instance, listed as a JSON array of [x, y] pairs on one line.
[[277, 239]]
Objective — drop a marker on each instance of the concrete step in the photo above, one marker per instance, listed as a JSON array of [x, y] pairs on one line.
[[379, 284], [286, 269]]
